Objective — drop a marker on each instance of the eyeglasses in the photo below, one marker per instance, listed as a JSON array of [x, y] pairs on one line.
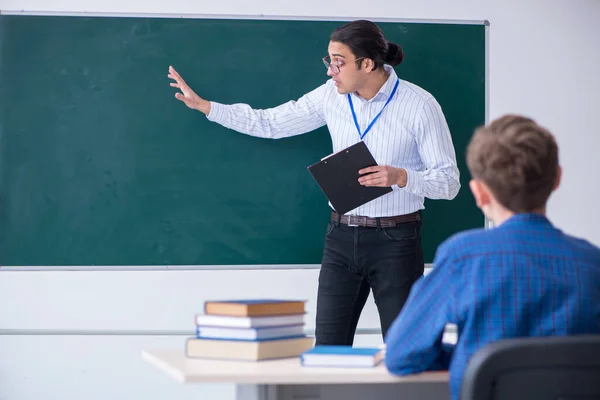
[[335, 67]]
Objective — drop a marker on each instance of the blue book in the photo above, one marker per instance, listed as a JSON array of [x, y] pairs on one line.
[[264, 333], [342, 356]]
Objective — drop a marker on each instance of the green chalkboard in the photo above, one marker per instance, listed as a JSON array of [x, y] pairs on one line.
[[101, 165]]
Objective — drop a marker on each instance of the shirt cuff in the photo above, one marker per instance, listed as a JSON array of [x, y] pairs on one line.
[[414, 182], [217, 112]]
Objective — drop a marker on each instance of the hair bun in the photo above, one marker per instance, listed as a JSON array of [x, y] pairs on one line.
[[395, 54]]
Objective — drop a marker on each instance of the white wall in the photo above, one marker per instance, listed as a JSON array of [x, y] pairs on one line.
[[544, 58]]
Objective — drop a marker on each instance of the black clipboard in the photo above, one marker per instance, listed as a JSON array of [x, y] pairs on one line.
[[337, 176]]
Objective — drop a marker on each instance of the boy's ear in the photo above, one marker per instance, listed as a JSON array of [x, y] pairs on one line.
[[480, 192], [558, 177]]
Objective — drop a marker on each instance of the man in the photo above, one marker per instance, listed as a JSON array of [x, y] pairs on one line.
[[378, 245], [522, 278]]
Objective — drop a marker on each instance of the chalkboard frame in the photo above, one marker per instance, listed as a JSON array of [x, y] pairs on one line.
[[486, 223]]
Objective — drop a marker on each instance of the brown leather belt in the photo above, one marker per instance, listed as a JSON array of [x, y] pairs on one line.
[[384, 222]]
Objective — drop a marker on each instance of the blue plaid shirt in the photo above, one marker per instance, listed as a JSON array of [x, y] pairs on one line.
[[522, 278]]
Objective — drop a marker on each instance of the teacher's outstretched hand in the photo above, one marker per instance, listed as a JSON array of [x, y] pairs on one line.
[[187, 95]]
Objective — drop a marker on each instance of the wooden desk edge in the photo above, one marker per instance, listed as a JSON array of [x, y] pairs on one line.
[[293, 379], [163, 366]]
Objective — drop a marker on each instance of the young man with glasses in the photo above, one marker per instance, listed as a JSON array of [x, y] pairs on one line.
[[378, 245]]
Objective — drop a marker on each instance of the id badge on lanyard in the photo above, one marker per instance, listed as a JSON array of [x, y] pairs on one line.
[[377, 116]]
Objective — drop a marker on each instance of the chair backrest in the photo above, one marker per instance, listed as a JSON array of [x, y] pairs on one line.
[[535, 368]]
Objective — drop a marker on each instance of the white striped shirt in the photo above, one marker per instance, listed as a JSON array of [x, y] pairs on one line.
[[411, 133]]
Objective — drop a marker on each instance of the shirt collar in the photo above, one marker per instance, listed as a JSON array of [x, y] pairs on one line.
[[386, 89], [388, 86], [526, 218]]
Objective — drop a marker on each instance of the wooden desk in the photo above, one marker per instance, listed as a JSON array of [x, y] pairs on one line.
[[288, 380]]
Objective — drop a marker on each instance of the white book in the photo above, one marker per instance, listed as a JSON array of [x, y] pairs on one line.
[[249, 322]]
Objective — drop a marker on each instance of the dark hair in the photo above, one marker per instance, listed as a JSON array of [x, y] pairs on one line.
[[517, 159], [365, 39]]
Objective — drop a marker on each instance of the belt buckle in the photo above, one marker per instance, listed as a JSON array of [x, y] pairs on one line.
[[356, 220]]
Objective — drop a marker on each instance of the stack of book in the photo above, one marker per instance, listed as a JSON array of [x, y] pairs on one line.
[[252, 330]]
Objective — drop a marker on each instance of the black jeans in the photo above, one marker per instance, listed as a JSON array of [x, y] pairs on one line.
[[356, 260]]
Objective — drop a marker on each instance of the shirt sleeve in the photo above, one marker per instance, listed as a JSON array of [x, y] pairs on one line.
[[289, 119], [441, 178], [414, 340]]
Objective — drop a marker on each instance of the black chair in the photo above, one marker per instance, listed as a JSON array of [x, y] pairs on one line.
[[535, 368]]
